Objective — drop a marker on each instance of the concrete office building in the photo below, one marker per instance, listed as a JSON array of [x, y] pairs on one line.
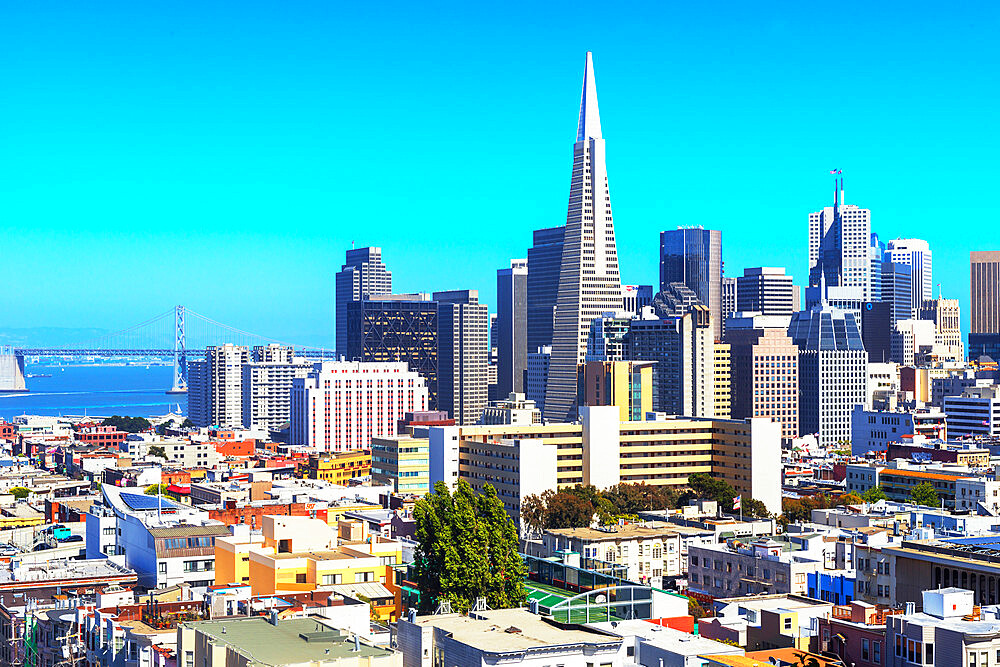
[[397, 327], [625, 384], [839, 242], [537, 377], [684, 351], [897, 282], [947, 317], [634, 297], [984, 276], [544, 264], [362, 276], [765, 290], [916, 254], [875, 430], [976, 412], [912, 342], [462, 355], [722, 383], [511, 339], [342, 405], [589, 281], [694, 257], [765, 371], [730, 301], [603, 450], [606, 340], [401, 462], [515, 409], [833, 374]]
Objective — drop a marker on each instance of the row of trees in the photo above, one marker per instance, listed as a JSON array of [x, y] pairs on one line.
[[128, 424], [580, 505]]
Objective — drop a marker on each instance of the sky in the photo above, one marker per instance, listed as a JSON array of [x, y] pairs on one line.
[[225, 155]]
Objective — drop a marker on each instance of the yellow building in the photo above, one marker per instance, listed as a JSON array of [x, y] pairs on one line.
[[297, 554], [403, 462], [723, 381], [626, 384], [340, 467]]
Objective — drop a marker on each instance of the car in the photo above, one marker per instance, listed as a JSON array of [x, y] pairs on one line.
[[42, 547], [72, 538]]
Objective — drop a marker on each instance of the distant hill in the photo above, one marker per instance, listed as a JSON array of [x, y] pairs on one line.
[[48, 336]]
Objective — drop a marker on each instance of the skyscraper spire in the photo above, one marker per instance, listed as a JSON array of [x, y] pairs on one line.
[[589, 126], [589, 283]]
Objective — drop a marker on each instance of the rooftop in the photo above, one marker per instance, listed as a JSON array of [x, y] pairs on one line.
[[491, 631], [291, 641], [628, 531]]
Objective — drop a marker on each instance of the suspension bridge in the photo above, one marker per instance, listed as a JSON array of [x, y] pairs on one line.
[[178, 333]]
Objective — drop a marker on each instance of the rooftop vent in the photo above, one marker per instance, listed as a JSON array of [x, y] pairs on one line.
[[513, 630]]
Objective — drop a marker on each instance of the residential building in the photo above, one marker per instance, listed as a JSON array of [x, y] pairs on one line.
[[589, 281], [402, 462], [603, 450], [975, 412], [198, 392], [246, 642], [764, 371], [462, 355], [765, 565], [340, 467], [511, 341], [515, 409], [949, 631], [342, 405], [267, 386], [394, 328], [625, 384], [855, 633], [693, 256], [833, 373], [765, 290], [362, 276], [544, 264], [839, 242], [916, 254], [649, 552], [874, 430], [216, 386], [538, 376]]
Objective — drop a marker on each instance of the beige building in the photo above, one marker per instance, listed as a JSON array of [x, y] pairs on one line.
[[649, 551], [246, 642], [765, 377], [985, 291], [723, 381]]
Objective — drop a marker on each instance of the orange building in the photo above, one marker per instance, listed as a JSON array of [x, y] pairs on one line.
[[340, 467]]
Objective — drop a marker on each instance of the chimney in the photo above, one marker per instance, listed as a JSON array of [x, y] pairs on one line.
[[911, 608]]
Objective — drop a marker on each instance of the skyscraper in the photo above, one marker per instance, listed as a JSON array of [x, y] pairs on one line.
[[544, 263], [765, 290], [363, 275], [589, 282], [634, 297], [839, 248], [897, 282], [729, 300], [984, 279], [462, 355], [765, 375], [511, 340], [916, 254], [694, 257]]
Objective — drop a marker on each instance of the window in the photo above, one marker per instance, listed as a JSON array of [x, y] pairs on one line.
[[877, 652], [300, 578], [188, 658], [162, 568], [788, 623], [361, 577], [108, 531], [929, 653], [865, 649], [329, 579]]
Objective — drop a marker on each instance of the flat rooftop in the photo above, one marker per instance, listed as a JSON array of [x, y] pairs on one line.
[[626, 532], [291, 641], [489, 632]]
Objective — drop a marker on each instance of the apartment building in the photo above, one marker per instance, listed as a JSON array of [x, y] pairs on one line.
[[340, 467], [403, 463], [649, 552], [763, 566], [949, 631]]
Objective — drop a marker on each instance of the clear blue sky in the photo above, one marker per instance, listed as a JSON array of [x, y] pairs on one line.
[[224, 155]]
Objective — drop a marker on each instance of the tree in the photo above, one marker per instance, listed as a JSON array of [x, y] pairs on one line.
[[925, 494], [162, 428], [20, 492], [156, 450], [695, 609], [187, 423], [156, 489], [704, 485], [564, 509], [467, 548], [755, 509], [128, 424], [873, 495]]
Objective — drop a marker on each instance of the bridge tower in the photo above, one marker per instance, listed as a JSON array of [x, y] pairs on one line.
[[180, 354], [11, 370]]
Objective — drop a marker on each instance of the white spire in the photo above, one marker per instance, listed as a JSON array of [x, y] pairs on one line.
[[589, 126]]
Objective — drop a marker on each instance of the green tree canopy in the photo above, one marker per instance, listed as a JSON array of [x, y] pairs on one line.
[[156, 450], [755, 509], [154, 489], [187, 423], [925, 494], [128, 424], [20, 492], [705, 486], [873, 495], [467, 548]]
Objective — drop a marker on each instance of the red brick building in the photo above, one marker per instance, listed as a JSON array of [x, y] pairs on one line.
[[100, 435], [253, 515], [236, 447]]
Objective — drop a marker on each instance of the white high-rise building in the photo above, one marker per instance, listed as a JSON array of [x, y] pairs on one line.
[[225, 384], [342, 405], [916, 254], [589, 282], [839, 248]]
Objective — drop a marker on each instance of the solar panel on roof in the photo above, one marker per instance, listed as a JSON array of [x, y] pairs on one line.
[[144, 502]]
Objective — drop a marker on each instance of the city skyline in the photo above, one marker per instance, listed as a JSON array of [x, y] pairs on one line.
[[172, 204]]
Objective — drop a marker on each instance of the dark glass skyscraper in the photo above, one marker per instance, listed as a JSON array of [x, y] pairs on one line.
[[363, 275], [694, 257], [511, 328], [544, 262]]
